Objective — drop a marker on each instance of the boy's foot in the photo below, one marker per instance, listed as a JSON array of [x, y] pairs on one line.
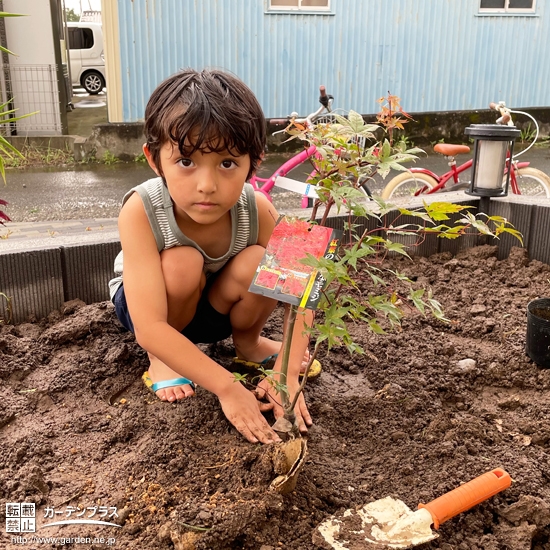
[[159, 372]]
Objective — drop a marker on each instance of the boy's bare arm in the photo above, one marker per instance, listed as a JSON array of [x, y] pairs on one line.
[[146, 296], [267, 218]]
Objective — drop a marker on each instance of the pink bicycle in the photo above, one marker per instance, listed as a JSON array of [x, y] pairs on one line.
[[524, 180], [278, 178]]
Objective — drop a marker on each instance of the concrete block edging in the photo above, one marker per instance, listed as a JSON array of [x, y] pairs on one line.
[[40, 281]]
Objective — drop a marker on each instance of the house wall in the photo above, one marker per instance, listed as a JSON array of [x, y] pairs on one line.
[[32, 72], [113, 68], [437, 55], [37, 24]]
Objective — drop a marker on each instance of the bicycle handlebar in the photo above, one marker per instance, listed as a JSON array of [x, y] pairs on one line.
[[326, 103], [506, 118], [325, 99]]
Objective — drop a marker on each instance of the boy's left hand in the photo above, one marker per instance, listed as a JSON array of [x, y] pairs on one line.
[[266, 391]]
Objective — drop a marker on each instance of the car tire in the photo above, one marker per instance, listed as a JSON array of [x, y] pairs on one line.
[[93, 82]]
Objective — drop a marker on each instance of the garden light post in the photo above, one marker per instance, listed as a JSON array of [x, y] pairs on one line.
[[493, 145]]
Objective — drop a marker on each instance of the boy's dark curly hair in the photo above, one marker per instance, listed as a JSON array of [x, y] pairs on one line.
[[207, 111]]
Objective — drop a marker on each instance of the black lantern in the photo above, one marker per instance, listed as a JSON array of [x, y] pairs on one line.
[[493, 146]]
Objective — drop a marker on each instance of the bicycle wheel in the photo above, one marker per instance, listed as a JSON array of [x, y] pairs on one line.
[[532, 182], [406, 185]]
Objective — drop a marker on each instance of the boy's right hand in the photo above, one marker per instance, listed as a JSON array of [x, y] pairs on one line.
[[265, 390], [243, 410]]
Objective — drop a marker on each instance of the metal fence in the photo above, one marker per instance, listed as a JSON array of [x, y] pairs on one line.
[[30, 89]]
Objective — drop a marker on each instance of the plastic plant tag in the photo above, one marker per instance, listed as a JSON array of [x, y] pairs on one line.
[[306, 189], [282, 275]]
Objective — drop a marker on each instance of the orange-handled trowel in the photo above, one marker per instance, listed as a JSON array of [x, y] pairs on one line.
[[390, 523]]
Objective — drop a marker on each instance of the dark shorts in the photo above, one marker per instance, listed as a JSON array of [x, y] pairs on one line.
[[206, 327]]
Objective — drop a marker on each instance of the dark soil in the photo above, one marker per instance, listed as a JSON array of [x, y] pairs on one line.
[[542, 313], [411, 421]]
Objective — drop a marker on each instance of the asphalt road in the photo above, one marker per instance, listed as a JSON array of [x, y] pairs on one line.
[[95, 191]]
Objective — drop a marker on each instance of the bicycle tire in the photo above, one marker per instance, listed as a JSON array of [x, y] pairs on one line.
[[532, 182], [406, 185]]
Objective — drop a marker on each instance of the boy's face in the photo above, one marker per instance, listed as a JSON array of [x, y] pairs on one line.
[[203, 186]]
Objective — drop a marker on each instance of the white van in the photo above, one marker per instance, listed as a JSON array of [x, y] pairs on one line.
[[86, 54]]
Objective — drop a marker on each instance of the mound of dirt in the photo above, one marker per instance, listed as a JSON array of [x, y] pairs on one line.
[[431, 406]]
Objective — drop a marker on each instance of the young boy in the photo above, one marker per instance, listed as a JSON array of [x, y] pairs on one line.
[[191, 241]]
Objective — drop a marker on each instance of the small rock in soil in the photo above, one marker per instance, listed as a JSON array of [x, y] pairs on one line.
[[132, 528], [164, 532], [510, 404], [478, 309], [465, 366]]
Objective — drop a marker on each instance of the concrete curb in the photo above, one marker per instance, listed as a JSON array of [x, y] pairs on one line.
[[40, 274]]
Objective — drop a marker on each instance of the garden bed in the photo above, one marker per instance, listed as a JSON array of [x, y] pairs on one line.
[[407, 420]]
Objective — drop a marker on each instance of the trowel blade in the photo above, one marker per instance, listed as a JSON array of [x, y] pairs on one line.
[[384, 523], [400, 531]]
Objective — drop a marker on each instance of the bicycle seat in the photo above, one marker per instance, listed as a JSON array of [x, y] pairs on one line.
[[450, 150]]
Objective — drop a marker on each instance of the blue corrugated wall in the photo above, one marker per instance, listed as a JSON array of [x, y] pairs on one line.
[[437, 55]]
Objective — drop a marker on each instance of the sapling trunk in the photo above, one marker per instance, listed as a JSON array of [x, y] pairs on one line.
[[288, 402], [304, 379], [287, 342]]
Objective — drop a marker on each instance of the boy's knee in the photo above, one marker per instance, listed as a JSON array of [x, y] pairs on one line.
[[253, 253], [182, 263], [247, 261]]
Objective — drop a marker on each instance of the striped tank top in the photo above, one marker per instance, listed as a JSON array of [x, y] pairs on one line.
[[160, 213]]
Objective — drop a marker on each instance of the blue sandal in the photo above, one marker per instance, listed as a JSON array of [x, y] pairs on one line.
[[163, 384]]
